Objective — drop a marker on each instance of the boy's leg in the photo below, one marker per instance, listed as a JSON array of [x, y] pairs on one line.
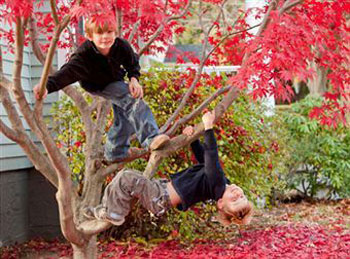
[[136, 111], [129, 184], [118, 143]]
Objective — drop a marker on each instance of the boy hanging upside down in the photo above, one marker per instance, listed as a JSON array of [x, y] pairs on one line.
[[201, 182]]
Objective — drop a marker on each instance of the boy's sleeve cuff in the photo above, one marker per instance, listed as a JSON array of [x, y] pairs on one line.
[[134, 76]]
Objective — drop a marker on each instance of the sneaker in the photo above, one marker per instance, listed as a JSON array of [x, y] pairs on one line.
[[159, 142], [100, 213]]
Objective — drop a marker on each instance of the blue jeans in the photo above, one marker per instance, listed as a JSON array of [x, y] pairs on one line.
[[130, 116]]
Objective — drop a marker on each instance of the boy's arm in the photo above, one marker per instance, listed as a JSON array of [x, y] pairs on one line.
[[73, 71], [131, 61], [211, 157], [198, 151], [196, 145], [69, 73]]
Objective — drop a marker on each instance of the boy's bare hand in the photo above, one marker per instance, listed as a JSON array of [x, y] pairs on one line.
[[188, 131], [36, 91], [135, 88], [208, 120]]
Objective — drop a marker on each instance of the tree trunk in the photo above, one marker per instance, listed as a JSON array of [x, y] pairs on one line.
[[87, 251], [318, 86]]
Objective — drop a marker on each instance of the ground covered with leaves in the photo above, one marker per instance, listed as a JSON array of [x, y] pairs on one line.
[[303, 230]]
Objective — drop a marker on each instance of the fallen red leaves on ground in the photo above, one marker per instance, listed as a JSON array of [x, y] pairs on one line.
[[290, 231]]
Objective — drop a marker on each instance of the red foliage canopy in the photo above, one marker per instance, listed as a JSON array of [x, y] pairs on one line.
[[312, 32]]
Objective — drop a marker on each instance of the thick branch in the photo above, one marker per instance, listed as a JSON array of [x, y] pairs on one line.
[[34, 42], [48, 62], [83, 107], [54, 12], [93, 227], [119, 16], [64, 199], [11, 110], [8, 132], [266, 19], [288, 5], [117, 166], [1, 65], [19, 135], [153, 163], [36, 124], [17, 69], [136, 26]]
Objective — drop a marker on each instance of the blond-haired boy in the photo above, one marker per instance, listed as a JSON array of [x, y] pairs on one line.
[[100, 65]]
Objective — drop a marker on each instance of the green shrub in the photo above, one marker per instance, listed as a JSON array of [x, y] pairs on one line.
[[251, 148], [321, 155]]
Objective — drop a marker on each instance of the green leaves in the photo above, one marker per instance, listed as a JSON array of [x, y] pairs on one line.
[[323, 151]]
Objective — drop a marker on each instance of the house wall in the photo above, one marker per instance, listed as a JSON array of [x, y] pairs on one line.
[[27, 202], [28, 207]]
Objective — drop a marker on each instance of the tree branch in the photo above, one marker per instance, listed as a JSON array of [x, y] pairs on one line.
[[217, 18], [181, 140], [8, 132], [161, 28], [34, 42], [119, 17], [193, 85], [136, 26], [17, 69], [117, 166], [11, 110], [288, 5], [47, 65], [40, 162], [226, 37], [93, 227], [266, 19], [54, 12], [1, 65], [36, 124], [197, 111]]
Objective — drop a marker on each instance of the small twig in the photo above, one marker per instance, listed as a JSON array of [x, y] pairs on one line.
[[217, 18], [161, 28], [197, 111]]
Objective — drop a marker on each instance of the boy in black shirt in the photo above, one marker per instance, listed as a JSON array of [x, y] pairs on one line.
[[100, 65], [200, 182]]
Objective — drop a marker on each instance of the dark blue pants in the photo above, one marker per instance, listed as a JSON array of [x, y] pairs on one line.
[[130, 116]]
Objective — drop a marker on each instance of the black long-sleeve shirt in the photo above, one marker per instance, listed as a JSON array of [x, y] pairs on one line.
[[94, 70], [203, 181]]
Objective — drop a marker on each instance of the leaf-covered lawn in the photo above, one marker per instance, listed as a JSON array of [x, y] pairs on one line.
[[302, 230]]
